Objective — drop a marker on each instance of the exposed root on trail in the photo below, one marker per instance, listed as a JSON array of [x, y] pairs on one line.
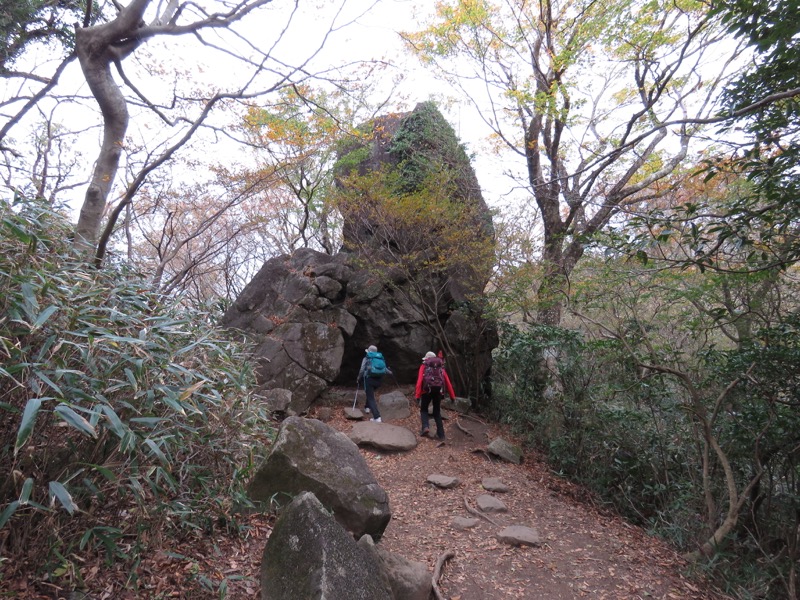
[[477, 513], [437, 573], [461, 427]]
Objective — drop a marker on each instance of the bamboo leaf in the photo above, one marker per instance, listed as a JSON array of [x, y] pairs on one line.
[[117, 425], [8, 512], [157, 451], [49, 382], [190, 390], [75, 420], [28, 420], [105, 472], [174, 404], [44, 315], [19, 233], [63, 496], [25, 495]]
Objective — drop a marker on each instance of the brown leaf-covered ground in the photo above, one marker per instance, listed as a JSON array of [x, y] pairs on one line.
[[585, 552]]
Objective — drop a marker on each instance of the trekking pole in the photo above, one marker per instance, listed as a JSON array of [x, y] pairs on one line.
[[355, 399]]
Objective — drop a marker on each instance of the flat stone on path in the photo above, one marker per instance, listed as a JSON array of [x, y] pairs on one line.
[[443, 481], [463, 523], [493, 484], [354, 414], [517, 535], [505, 450], [383, 436], [490, 504]]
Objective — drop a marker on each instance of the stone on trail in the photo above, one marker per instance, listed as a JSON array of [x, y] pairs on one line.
[[505, 450], [493, 484], [383, 436], [463, 523], [394, 406], [310, 456], [309, 555], [490, 504], [354, 414], [517, 535], [444, 481]]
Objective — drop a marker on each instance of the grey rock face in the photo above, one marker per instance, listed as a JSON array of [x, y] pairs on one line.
[[310, 556], [277, 400], [383, 436], [309, 456]]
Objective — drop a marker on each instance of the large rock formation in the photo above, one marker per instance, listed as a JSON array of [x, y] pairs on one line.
[[312, 315]]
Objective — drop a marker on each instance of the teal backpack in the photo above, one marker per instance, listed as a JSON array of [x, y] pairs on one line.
[[376, 367]]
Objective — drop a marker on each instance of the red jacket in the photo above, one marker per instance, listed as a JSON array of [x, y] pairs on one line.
[[418, 392]]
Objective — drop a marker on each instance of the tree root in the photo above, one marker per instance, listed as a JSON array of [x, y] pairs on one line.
[[437, 573], [476, 419], [461, 427], [477, 513]]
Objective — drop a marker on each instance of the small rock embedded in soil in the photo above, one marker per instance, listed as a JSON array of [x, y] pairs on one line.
[[463, 523], [443, 481], [517, 535], [490, 504], [493, 484]]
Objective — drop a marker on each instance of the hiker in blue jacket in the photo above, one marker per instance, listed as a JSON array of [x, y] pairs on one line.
[[370, 375]]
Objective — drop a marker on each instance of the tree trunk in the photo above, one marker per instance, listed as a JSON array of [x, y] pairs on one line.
[[98, 48]]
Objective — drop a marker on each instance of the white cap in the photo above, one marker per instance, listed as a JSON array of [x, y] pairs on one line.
[[429, 355], [372, 349]]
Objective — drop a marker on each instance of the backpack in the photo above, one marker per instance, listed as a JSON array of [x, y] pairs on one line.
[[376, 365], [433, 375]]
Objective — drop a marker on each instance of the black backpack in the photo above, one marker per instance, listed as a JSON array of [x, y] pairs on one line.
[[433, 375]]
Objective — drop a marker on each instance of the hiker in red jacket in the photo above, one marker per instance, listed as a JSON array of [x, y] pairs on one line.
[[431, 381]]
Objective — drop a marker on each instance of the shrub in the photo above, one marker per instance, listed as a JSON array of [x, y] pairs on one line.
[[121, 411]]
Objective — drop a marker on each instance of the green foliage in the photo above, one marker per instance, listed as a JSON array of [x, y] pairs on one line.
[[425, 144], [613, 439], [25, 21], [121, 412]]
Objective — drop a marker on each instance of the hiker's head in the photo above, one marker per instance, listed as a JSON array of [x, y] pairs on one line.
[[372, 349], [429, 355]]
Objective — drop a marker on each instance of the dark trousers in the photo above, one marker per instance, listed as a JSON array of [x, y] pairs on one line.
[[435, 396], [370, 385]]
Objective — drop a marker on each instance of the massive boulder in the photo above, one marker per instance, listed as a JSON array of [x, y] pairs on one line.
[[310, 456], [312, 315], [309, 555]]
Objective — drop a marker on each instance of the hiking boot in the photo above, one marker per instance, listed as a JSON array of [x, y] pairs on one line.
[[424, 432], [378, 420]]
